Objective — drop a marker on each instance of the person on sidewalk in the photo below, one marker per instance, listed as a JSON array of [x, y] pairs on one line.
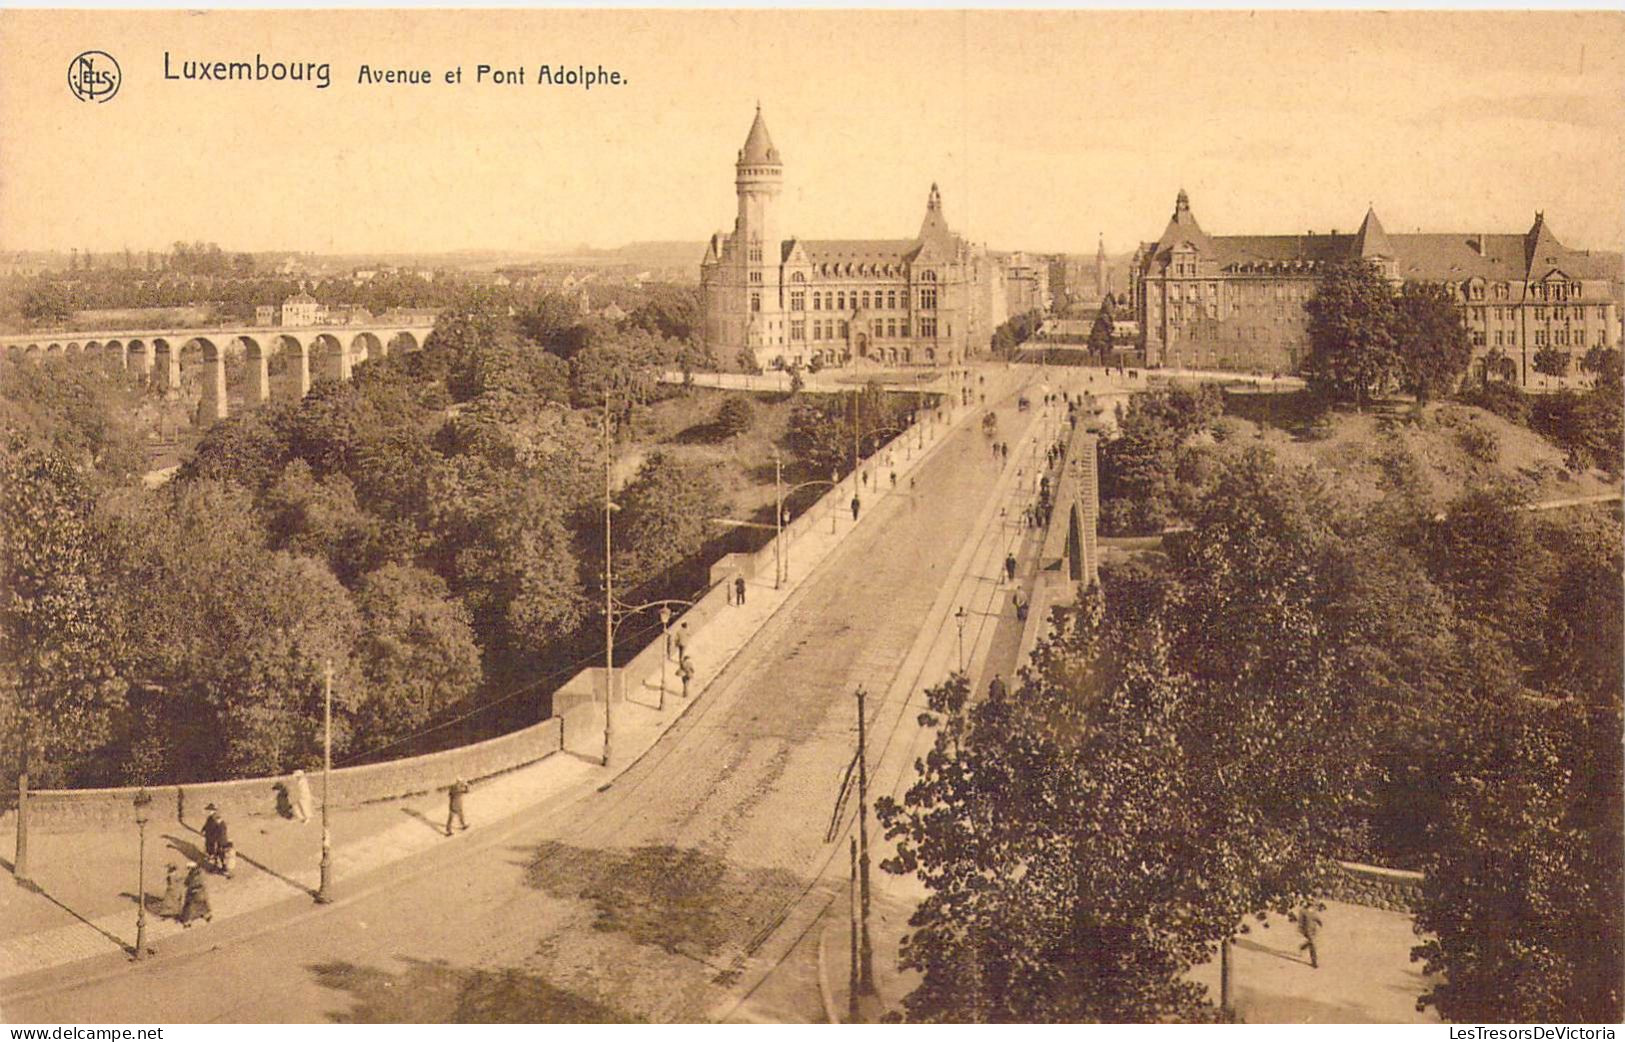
[[299, 796], [682, 640], [174, 899], [996, 689], [196, 905], [1309, 923], [1021, 606], [685, 672], [454, 804], [739, 590], [1010, 566], [211, 833], [855, 506], [894, 479]]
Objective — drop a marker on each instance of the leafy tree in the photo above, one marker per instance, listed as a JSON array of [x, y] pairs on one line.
[[1590, 426], [48, 303], [417, 651], [1604, 363], [735, 415], [798, 383], [672, 312], [1523, 894], [60, 677], [746, 360], [1433, 346], [1352, 348], [1551, 362], [663, 517], [1100, 334], [92, 415]]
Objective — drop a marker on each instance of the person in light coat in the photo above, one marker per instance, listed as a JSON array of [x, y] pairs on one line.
[[299, 797]]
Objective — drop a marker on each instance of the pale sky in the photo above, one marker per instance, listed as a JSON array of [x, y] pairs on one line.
[[1044, 129]]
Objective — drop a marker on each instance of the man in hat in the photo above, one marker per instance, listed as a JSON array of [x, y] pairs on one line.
[[214, 832], [454, 804]]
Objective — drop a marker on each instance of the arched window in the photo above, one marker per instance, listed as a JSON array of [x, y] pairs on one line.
[[865, 303], [928, 276], [798, 277], [891, 300], [840, 301]]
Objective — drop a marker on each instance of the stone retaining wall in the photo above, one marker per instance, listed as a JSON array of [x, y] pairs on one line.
[[1374, 886], [57, 810]]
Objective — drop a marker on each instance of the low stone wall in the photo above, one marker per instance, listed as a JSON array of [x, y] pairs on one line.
[[1374, 886], [56, 810]]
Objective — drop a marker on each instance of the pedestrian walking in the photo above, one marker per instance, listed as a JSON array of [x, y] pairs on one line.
[[1309, 923], [228, 858], [213, 826], [1021, 606], [685, 672], [454, 804], [996, 689], [174, 899], [866, 479], [299, 797], [855, 505], [682, 639], [1010, 566], [739, 590], [894, 479], [196, 904], [911, 484]]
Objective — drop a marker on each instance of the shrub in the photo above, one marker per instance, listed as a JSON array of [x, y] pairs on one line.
[[736, 415], [1503, 399], [1478, 441]]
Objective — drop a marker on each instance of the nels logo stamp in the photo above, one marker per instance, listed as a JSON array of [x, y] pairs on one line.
[[94, 76]]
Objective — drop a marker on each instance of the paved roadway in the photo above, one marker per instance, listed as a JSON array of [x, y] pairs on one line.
[[672, 894]]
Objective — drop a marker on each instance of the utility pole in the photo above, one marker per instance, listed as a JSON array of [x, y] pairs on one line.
[[142, 801], [866, 976], [324, 892], [19, 869], [609, 588], [852, 916], [778, 523], [1224, 977], [665, 653], [834, 487], [959, 617]]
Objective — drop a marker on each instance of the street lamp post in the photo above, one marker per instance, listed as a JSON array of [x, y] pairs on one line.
[[609, 588], [866, 976], [959, 616], [142, 801], [324, 892], [665, 651], [778, 522], [834, 483]]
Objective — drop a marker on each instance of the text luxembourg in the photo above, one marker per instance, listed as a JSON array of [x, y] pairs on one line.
[[546, 75], [319, 74]]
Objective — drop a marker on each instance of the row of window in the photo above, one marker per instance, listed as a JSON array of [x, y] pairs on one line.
[[1542, 290], [879, 328], [889, 300], [1560, 314]]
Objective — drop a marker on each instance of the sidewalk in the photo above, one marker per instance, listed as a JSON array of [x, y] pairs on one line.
[[83, 904]]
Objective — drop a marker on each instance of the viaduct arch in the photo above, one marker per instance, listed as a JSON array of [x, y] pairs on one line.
[[157, 356]]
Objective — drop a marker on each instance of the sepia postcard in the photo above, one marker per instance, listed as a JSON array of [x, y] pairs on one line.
[[834, 516]]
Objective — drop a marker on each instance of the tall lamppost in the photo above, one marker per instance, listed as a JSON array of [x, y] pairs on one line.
[[959, 617], [609, 588], [324, 892], [866, 976], [778, 520], [143, 800]]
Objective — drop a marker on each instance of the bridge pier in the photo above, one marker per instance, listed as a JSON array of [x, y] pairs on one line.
[[214, 404], [118, 351], [301, 367], [259, 374], [170, 375]]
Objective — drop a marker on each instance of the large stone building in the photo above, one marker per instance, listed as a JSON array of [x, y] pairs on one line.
[[789, 301], [1236, 301]]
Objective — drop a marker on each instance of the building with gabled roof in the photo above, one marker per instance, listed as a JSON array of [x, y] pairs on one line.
[[1236, 301], [789, 301]]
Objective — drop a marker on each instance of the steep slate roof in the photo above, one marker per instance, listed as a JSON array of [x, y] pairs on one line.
[[758, 148], [1442, 257], [1371, 241], [1182, 227]]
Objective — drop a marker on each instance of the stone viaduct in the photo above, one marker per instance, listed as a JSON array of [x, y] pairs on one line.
[[330, 350]]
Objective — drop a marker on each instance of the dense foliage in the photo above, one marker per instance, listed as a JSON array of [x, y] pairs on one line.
[[1366, 338], [1429, 685], [431, 529]]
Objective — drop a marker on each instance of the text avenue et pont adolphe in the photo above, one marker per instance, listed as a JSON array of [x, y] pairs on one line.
[[320, 74]]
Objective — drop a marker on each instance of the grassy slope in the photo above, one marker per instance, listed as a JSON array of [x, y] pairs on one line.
[[1350, 455]]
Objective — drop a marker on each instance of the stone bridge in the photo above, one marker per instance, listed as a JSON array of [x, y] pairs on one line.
[[330, 350]]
